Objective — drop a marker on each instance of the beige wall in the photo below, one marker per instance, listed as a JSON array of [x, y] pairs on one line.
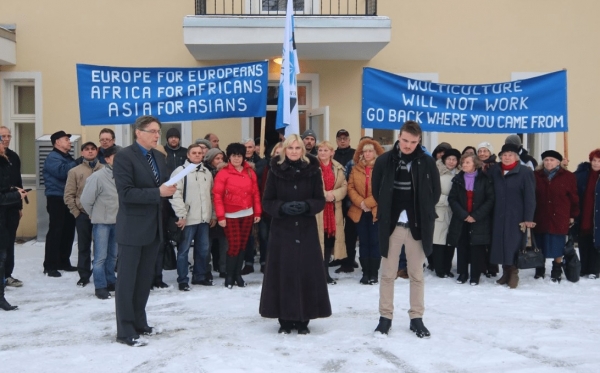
[[463, 41]]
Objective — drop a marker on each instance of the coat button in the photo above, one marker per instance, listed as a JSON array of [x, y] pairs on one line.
[[295, 187], [297, 241], [296, 224]]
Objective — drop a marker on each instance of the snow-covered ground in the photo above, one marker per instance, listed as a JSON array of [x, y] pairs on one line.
[[539, 327]]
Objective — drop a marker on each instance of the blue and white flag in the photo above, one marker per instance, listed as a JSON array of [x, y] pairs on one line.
[[533, 105], [287, 101]]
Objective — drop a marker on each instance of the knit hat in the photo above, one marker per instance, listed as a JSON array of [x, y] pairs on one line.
[[450, 152], [553, 154], [204, 142], [309, 132], [513, 139], [486, 145], [211, 154], [173, 132], [509, 148]]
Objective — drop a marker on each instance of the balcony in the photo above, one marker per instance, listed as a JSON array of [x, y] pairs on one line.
[[253, 29], [8, 47]]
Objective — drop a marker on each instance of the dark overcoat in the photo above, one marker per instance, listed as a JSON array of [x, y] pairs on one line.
[[426, 183], [582, 175], [294, 285], [483, 205], [514, 204], [556, 201]]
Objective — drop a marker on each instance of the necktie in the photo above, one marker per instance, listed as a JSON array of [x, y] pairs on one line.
[[149, 159]]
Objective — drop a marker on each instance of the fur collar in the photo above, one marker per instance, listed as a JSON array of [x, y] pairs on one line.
[[287, 172]]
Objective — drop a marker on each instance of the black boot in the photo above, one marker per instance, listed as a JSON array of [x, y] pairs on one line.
[[364, 263], [239, 281], [540, 272], [326, 258], [374, 273], [384, 325], [285, 326], [230, 263], [417, 326], [556, 272], [3, 303], [302, 327]]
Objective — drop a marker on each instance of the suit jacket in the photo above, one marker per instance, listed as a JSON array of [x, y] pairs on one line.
[[139, 213]]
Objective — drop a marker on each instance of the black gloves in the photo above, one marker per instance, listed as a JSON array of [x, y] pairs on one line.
[[294, 208]]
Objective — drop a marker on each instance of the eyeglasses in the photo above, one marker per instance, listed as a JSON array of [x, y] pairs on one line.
[[154, 132], [106, 140], [6, 136]]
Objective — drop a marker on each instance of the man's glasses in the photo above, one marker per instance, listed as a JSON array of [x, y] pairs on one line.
[[154, 132], [106, 140]]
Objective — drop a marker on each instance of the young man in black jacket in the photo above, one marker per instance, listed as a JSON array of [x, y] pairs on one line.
[[406, 186]]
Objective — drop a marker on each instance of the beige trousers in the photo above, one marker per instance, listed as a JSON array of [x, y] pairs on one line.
[[415, 258]]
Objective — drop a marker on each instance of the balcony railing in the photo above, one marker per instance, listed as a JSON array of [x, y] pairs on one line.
[[278, 7]]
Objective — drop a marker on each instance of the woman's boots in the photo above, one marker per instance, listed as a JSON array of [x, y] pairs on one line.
[[365, 263], [510, 276], [505, 275], [555, 274]]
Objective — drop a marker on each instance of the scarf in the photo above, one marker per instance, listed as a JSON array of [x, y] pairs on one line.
[[506, 168], [552, 172], [469, 186], [328, 212]]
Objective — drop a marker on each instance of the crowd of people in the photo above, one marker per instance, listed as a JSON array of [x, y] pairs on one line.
[[302, 207]]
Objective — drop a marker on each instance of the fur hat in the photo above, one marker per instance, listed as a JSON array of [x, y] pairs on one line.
[[509, 148], [553, 154], [449, 152]]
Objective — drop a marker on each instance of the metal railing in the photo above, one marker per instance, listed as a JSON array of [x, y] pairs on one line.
[[278, 7]]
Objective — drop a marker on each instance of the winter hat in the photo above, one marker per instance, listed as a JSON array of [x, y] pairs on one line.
[[204, 142], [235, 149], [444, 145], [449, 153], [110, 151], [173, 132], [309, 132], [57, 135], [486, 145], [513, 139], [89, 143], [553, 154], [211, 154], [509, 148]]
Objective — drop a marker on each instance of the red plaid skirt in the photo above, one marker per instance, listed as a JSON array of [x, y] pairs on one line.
[[237, 232]]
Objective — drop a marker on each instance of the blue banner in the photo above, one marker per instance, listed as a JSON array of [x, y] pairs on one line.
[[118, 95], [533, 105]]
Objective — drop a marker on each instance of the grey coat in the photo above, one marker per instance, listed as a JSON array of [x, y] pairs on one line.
[[99, 197], [514, 203]]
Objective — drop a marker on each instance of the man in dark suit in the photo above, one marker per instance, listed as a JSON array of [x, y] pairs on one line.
[[139, 171]]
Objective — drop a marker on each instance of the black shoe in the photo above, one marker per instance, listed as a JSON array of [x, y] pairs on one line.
[[52, 273], [160, 285], [303, 328], [205, 282], [239, 281], [82, 282], [132, 341], [384, 325], [330, 281], [184, 287], [365, 280], [441, 275], [474, 282], [373, 281], [285, 327], [462, 278], [111, 287], [6, 306], [540, 272], [262, 268], [450, 274], [335, 263], [68, 268], [248, 268], [416, 325], [102, 293], [148, 330], [355, 265], [344, 268]]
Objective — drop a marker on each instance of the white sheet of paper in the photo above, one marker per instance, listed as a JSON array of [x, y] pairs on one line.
[[191, 167]]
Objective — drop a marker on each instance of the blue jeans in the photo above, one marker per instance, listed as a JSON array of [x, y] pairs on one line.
[[198, 233], [368, 236], [105, 255]]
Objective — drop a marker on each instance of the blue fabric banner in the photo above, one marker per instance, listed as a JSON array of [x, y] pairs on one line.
[[533, 105], [118, 95]]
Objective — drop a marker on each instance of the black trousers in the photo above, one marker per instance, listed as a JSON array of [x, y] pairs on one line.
[[442, 259], [12, 224], [84, 246], [351, 235], [167, 211], [61, 232], [4, 238], [136, 273], [467, 253], [590, 256]]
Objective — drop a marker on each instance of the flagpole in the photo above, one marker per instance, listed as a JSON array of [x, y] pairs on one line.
[[263, 123]]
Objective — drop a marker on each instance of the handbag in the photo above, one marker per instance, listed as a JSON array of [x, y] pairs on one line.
[[571, 262], [530, 256]]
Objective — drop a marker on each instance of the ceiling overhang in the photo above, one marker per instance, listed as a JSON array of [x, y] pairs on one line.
[[8, 47]]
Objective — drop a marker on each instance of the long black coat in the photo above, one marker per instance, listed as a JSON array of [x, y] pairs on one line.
[[426, 184], [514, 204], [483, 205], [294, 285]]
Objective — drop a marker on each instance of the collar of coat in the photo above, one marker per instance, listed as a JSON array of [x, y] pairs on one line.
[[200, 166], [287, 172]]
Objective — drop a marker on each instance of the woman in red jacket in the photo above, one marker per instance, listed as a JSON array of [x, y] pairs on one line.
[[237, 206], [557, 206]]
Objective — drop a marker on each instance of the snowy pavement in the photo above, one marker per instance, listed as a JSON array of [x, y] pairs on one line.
[[539, 327]]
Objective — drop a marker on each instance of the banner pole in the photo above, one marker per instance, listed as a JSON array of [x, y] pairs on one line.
[[263, 123], [566, 145]]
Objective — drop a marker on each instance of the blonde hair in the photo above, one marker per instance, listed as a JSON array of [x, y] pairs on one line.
[[274, 150], [326, 144], [289, 141], [367, 147]]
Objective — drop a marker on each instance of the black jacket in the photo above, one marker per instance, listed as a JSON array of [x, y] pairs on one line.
[[343, 156], [175, 158], [427, 190], [15, 172], [483, 206]]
